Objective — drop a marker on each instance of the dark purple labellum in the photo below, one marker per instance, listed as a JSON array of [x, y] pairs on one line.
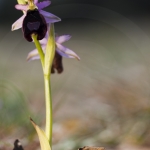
[[57, 63], [34, 22], [33, 26]]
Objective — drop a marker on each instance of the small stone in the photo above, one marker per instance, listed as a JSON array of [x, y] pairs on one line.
[[17, 145], [91, 148]]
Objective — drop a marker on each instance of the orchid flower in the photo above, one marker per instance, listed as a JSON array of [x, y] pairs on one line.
[[60, 51], [50, 18]]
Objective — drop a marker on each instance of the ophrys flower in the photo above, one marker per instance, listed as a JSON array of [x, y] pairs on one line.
[[60, 51], [50, 18]]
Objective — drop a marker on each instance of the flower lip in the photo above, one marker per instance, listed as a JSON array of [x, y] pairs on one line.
[[57, 63], [35, 23]]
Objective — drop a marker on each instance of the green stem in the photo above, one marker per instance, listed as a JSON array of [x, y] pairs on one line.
[[49, 117], [47, 61], [39, 48]]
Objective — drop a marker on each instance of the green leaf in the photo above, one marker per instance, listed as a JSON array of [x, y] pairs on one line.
[[21, 1], [50, 51], [42, 137]]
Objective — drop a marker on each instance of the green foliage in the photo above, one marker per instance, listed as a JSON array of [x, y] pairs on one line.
[[13, 107]]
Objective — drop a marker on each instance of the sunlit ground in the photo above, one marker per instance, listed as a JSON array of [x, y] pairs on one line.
[[102, 100]]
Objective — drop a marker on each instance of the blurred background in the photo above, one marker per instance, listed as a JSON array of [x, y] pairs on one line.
[[102, 100]]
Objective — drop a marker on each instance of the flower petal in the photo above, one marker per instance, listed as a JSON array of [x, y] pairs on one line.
[[50, 18], [35, 1], [43, 41], [21, 7], [33, 58], [65, 52], [43, 4], [63, 38], [33, 55], [18, 24]]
